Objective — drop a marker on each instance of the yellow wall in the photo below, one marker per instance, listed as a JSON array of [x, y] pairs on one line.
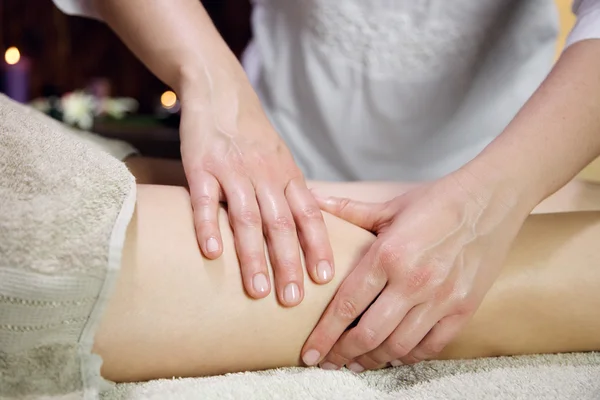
[[567, 19]]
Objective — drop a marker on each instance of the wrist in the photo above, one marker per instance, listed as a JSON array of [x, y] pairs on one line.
[[220, 92], [508, 186], [199, 81], [212, 94]]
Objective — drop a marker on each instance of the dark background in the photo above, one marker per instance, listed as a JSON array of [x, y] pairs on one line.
[[67, 52]]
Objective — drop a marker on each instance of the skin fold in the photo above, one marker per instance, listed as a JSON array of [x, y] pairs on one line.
[[175, 313]]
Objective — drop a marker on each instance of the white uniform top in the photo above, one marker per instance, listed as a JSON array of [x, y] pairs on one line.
[[397, 89]]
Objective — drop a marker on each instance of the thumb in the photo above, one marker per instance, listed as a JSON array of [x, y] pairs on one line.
[[366, 215]]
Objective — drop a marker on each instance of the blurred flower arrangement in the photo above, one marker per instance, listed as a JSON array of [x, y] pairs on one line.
[[79, 108]]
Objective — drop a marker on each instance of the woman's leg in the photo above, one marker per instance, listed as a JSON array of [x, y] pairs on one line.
[[174, 313]]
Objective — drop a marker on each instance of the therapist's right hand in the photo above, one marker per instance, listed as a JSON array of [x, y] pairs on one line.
[[231, 153]]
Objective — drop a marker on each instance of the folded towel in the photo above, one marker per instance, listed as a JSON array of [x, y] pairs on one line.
[[563, 376], [64, 209]]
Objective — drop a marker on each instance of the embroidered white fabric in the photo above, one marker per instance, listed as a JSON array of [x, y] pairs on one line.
[[397, 89], [393, 38]]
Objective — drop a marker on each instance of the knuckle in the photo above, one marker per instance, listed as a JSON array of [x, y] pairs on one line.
[[399, 349], [196, 167], [209, 164], [282, 225], [259, 160], [465, 307], [248, 219], [430, 349], [370, 361], [449, 290], [367, 339], [410, 359], [336, 357], [343, 204], [420, 278], [234, 163], [292, 172], [461, 292], [203, 201], [347, 309], [374, 281], [310, 213], [388, 255]]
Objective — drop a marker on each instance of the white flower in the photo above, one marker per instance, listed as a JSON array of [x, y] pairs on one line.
[[78, 109], [118, 107]]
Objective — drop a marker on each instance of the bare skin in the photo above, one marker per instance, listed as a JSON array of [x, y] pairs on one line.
[[175, 313]]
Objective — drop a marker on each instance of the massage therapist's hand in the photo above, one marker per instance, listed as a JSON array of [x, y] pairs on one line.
[[231, 153], [438, 250]]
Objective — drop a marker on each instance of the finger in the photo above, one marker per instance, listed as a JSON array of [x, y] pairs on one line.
[[366, 215], [355, 294], [415, 325], [312, 231], [440, 335], [375, 326], [204, 194], [246, 222], [282, 245]]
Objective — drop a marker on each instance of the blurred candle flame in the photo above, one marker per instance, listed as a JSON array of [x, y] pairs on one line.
[[12, 56], [168, 99]]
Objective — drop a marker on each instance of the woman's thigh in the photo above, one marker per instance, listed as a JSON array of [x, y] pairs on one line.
[[174, 313]]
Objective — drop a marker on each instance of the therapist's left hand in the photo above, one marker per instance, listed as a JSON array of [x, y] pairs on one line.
[[438, 250]]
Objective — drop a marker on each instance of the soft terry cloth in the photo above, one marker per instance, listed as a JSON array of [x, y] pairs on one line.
[[560, 377], [64, 209]]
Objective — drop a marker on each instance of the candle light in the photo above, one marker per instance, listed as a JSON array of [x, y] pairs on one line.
[[169, 103], [168, 99], [16, 75], [12, 56]]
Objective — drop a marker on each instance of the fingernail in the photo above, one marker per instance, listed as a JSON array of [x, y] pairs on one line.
[[260, 283], [396, 363], [329, 365], [356, 367], [324, 270], [311, 357], [291, 294], [212, 245]]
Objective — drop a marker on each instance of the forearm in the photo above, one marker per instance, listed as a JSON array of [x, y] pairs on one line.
[[178, 42], [556, 133]]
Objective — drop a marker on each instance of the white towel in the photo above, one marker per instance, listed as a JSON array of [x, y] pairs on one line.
[[64, 209], [561, 377]]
